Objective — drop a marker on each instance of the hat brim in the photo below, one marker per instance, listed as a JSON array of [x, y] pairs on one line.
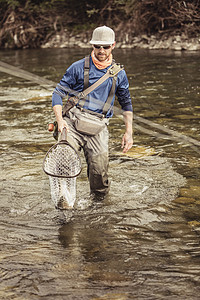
[[93, 42]]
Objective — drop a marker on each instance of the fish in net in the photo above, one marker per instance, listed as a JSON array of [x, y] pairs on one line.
[[62, 164]]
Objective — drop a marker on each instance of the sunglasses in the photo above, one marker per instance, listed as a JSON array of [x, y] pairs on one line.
[[104, 47]]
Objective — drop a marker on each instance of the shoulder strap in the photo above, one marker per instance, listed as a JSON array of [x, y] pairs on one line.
[[111, 72], [86, 71], [108, 102]]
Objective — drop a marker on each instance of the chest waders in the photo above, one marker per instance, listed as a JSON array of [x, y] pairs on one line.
[[80, 98], [95, 146], [87, 121], [97, 159]]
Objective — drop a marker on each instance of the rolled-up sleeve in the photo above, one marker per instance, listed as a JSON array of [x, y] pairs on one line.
[[123, 93], [68, 82], [56, 99], [58, 93]]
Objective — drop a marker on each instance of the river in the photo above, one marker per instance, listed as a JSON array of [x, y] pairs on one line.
[[143, 241]]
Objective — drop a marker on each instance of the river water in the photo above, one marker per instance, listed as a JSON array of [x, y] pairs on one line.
[[142, 242]]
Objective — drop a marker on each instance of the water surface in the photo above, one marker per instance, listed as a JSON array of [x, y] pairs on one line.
[[142, 242]]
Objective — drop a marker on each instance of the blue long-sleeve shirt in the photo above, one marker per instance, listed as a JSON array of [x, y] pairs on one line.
[[73, 79]]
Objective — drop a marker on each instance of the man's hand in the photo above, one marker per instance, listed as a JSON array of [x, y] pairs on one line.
[[127, 142], [61, 122]]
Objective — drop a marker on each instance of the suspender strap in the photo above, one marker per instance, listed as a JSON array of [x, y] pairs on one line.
[[95, 85], [107, 104], [114, 70], [86, 72], [111, 72]]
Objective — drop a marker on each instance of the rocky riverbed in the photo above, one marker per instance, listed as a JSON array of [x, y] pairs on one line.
[[176, 42]]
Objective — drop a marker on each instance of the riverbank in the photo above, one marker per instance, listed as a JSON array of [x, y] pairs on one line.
[[171, 42]]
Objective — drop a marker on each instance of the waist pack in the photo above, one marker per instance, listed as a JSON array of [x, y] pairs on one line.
[[89, 124]]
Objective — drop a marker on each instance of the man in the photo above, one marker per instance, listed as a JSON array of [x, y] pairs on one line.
[[95, 145]]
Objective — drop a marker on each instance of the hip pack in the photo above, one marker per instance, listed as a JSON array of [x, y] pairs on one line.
[[87, 123]]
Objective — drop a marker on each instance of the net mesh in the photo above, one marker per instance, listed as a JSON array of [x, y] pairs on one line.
[[63, 191], [62, 161], [62, 164]]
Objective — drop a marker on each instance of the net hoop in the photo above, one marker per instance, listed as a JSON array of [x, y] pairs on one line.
[[45, 161]]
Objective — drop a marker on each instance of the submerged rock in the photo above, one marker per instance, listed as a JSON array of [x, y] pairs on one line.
[[138, 152], [192, 191], [184, 200]]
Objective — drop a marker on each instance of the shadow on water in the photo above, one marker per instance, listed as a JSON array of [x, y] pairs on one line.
[[142, 242]]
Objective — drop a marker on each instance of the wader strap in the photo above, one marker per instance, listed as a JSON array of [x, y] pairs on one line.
[[108, 102], [86, 71], [86, 78], [88, 89]]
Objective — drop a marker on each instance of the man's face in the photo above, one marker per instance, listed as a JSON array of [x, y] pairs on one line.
[[102, 52]]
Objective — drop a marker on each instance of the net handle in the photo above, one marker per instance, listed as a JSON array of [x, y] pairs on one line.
[[64, 134]]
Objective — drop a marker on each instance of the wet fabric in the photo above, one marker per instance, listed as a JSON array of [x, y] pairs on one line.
[[96, 154]]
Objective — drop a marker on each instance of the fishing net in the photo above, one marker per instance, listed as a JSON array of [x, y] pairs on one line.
[[62, 163], [63, 191]]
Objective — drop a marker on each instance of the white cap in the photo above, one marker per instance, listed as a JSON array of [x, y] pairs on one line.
[[103, 36]]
